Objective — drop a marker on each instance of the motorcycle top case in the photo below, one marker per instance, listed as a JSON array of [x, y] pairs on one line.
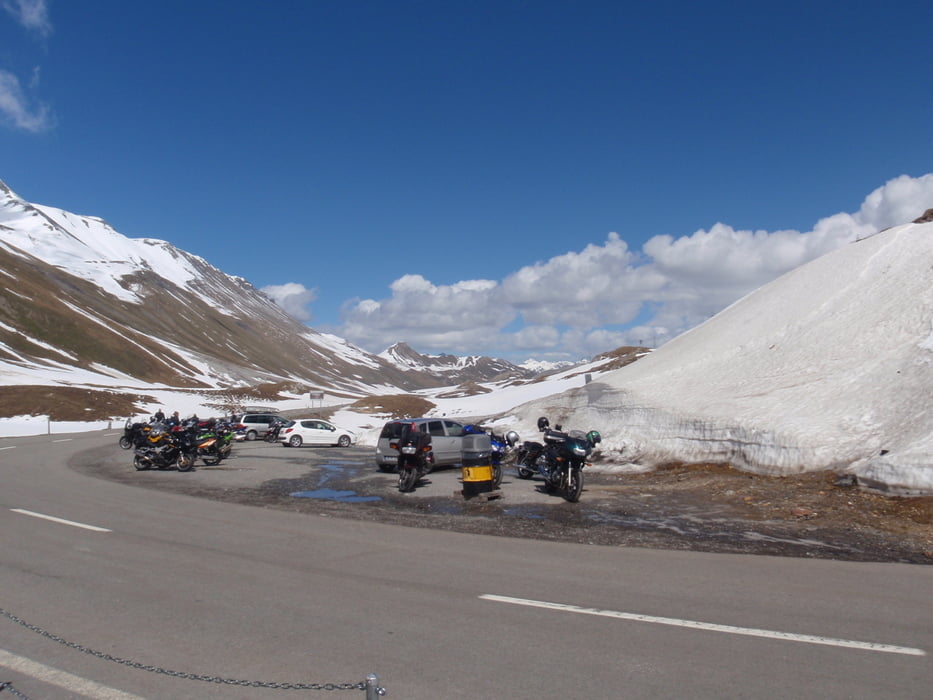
[[476, 450]]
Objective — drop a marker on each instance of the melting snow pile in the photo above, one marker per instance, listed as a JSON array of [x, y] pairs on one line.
[[827, 367]]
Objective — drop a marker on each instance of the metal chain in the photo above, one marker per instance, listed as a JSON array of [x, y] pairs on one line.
[[363, 685], [6, 685]]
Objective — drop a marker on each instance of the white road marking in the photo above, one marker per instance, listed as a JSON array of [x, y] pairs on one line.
[[59, 520], [62, 679], [11, 447], [63, 440], [710, 627]]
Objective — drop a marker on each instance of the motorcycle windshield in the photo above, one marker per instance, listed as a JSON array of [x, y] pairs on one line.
[[579, 447]]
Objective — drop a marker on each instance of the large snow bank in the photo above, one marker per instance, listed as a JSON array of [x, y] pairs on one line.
[[827, 367]]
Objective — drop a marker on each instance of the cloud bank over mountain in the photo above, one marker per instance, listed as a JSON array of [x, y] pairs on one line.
[[607, 295]]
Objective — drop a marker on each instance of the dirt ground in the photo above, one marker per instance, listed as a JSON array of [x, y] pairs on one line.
[[703, 508]]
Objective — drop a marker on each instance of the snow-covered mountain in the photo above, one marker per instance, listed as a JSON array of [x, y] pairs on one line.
[[542, 366], [454, 369], [83, 304], [829, 367]]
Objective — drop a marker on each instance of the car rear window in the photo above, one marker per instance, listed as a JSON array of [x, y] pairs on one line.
[[391, 430]]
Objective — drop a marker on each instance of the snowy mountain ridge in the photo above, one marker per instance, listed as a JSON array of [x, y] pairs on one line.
[[115, 309], [475, 368]]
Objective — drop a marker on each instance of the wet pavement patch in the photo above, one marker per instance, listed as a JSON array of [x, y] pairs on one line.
[[332, 495], [523, 513]]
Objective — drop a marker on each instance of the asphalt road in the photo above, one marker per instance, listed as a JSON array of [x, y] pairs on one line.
[[207, 589]]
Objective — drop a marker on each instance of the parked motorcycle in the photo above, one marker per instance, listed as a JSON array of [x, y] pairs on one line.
[[225, 438], [275, 427], [415, 457], [214, 441], [500, 446], [133, 434], [163, 448], [559, 460]]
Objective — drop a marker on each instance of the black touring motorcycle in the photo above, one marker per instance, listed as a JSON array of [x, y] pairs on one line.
[[415, 456], [559, 460]]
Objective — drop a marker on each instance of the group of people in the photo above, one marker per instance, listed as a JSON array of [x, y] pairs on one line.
[[173, 419]]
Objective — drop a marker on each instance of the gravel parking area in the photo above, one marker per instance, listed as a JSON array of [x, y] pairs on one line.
[[703, 508]]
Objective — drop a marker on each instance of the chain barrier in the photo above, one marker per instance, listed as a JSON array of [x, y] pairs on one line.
[[370, 685], [6, 685]]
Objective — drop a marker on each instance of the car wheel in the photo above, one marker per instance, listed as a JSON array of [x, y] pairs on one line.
[[295, 441], [344, 441], [251, 435], [386, 468], [125, 443]]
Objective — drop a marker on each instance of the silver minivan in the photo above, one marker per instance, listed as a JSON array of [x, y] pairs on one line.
[[252, 426], [446, 441]]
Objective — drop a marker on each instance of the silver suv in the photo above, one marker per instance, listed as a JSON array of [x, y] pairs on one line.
[[446, 441], [255, 425]]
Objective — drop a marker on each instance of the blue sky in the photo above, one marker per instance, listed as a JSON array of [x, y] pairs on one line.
[[514, 178]]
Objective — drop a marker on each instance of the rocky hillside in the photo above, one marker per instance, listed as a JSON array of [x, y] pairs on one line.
[[84, 304]]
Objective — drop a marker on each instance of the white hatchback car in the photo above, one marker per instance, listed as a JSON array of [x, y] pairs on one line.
[[314, 431]]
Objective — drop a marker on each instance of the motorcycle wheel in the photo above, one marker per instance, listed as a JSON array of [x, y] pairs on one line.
[[496, 475], [185, 463], [525, 473], [125, 443], [140, 463], [407, 478], [211, 461], [574, 485]]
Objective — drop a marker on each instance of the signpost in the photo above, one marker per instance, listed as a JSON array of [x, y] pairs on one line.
[[318, 396]]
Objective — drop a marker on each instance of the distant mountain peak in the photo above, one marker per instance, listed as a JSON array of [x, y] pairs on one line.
[[455, 369]]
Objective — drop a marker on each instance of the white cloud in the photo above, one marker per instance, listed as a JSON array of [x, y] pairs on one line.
[[16, 108], [604, 296], [448, 317], [535, 338], [32, 14], [293, 298]]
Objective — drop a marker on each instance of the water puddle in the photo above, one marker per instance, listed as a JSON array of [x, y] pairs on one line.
[[334, 470], [332, 495]]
